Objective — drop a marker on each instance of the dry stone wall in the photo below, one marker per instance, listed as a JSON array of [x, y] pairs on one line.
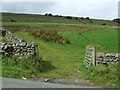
[[2, 32], [9, 35], [17, 47], [94, 58], [106, 58]]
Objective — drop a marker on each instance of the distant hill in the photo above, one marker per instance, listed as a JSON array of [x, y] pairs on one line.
[[18, 17]]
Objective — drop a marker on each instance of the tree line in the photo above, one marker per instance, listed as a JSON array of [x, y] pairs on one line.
[[67, 17]]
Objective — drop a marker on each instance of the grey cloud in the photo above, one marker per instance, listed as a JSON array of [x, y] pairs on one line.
[[119, 9], [28, 7], [103, 10], [108, 10]]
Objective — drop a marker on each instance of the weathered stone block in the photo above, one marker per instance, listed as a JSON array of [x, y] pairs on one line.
[[2, 32]]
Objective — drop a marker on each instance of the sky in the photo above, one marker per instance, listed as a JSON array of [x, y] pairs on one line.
[[99, 9]]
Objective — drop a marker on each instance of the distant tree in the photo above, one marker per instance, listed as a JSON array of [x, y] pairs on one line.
[[12, 21], [76, 18], [50, 14], [87, 18], [81, 18], [55, 16], [116, 20], [68, 17], [46, 14], [103, 24], [60, 15]]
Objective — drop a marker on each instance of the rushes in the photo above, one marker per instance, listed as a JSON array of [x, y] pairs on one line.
[[50, 36]]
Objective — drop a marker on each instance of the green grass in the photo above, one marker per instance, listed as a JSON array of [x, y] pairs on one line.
[[105, 41], [3, 39], [18, 68], [53, 26], [65, 61], [107, 76]]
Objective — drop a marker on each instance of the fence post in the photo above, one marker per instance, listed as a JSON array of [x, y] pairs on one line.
[[36, 51], [94, 56]]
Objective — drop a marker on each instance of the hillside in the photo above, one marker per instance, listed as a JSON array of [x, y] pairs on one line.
[[7, 17], [61, 45]]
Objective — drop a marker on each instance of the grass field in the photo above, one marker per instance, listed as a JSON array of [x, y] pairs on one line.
[[54, 26], [63, 60], [7, 17]]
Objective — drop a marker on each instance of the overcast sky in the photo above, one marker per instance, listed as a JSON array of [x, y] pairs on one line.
[[82, 8]]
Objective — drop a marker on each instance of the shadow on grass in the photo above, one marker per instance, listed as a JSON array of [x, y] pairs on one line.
[[46, 66], [25, 67]]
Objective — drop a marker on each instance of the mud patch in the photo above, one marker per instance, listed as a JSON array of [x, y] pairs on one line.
[[47, 58]]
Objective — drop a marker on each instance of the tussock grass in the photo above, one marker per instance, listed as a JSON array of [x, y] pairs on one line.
[[50, 36], [27, 67], [107, 76]]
